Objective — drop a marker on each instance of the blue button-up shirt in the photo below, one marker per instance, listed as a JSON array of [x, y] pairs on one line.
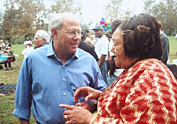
[[45, 82]]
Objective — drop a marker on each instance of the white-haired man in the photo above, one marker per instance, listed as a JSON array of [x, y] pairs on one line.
[[41, 38], [50, 75]]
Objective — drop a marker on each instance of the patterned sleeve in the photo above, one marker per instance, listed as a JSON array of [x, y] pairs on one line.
[[150, 99]]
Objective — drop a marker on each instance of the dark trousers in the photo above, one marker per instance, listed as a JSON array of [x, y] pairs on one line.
[[9, 64]]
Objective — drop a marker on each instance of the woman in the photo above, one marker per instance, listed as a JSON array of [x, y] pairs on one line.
[[145, 92]]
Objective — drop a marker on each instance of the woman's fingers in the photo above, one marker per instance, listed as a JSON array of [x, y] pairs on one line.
[[77, 95], [80, 92]]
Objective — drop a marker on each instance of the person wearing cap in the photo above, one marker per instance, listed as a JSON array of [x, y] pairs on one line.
[[28, 48], [101, 48], [41, 38]]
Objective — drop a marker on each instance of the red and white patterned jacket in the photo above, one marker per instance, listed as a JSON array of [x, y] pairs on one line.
[[145, 94]]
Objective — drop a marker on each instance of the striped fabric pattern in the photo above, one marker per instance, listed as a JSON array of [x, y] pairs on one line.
[[145, 94]]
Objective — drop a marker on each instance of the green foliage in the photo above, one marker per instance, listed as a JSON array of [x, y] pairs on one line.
[[21, 18], [166, 12], [112, 9], [173, 48], [60, 6], [24, 17]]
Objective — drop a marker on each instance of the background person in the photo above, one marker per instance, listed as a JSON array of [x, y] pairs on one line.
[[145, 92], [50, 75], [86, 47], [11, 58], [101, 48], [2, 45], [9, 54], [8, 45], [41, 38], [165, 44], [28, 48]]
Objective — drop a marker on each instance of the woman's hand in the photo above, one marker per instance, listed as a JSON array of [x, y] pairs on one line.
[[91, 106], [76, 115], [87, 92]]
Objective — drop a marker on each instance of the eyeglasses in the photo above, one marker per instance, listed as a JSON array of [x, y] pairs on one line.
[[72, 33]]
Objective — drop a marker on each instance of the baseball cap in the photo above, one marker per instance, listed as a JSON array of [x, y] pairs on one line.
[[98, 27]]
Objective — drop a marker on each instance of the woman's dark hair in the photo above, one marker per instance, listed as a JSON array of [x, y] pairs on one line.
[[141, 36]]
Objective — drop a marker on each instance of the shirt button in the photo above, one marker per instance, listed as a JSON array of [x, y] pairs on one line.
[[64, 94]]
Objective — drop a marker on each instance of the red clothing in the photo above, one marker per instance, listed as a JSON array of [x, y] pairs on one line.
[[145, 94]]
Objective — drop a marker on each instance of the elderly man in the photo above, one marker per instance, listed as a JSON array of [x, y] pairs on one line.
[[41, 38], [50, 75], [101, 44]]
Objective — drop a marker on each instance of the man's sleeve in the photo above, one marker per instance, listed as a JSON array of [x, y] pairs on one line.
[[23, 92], [98, 81]]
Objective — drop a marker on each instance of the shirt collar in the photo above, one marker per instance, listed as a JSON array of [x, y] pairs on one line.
[[50, 51]]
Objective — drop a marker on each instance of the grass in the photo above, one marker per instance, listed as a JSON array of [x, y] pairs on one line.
[[6, 77], [10, 77], [173, 48]]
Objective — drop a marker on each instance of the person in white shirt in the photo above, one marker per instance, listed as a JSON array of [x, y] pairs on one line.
[[28, 48], [101, 48]]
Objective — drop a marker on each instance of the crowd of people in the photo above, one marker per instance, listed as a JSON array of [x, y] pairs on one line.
[[120, 77], [6, 55]]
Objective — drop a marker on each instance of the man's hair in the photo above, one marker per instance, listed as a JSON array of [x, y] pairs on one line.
[[115, 24], [141, 37], [43, 35], [57, 21]]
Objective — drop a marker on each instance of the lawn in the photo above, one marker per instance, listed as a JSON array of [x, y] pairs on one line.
[[9, 77]]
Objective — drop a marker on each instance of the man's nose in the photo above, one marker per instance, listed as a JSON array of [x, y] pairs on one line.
[[77, 36]]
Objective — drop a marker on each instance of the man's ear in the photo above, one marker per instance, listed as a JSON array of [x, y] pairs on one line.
[[54, 33]]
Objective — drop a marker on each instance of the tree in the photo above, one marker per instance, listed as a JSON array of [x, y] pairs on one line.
[[1, 23], [10, 19], [113, 9], [165, 11], [60, 6], [127, 14], [22, 18]]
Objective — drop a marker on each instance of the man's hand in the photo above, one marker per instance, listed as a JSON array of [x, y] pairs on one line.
[[76, 115]]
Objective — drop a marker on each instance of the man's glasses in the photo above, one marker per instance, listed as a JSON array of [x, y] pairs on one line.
[[72, 33]]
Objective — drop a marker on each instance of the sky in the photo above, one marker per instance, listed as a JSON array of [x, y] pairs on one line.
[[93, 10]]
